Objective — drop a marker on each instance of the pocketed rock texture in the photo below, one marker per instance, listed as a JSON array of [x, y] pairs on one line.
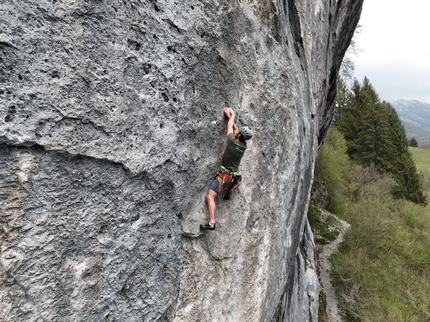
[[111, 131]]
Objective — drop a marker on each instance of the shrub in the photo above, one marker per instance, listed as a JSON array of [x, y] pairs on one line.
[[381, 271]]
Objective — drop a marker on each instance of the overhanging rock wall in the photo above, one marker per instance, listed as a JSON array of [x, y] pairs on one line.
[[111, 130]]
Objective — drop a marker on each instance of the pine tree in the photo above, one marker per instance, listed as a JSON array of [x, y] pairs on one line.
[[413, 143], [376, 137]]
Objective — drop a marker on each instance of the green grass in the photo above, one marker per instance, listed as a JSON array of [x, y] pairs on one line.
[[421, 157], [382, 270]]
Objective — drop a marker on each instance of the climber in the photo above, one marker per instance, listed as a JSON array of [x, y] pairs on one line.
[[236, 146]]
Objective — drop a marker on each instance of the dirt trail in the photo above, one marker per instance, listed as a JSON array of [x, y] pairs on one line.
[[325, 267]]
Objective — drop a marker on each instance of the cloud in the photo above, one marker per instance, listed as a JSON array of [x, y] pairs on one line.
[[395, 50], [396, 80]]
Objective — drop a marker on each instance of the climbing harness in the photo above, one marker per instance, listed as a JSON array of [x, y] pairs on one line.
[[210, 259], [223, 177], [227, 176]]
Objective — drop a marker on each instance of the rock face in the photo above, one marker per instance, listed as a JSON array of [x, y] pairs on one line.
[[111, 131]]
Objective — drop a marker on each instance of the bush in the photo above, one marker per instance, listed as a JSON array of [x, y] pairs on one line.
[[381, 271], [331, 165]]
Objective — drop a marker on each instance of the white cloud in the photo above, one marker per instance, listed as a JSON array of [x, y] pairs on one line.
[[395, 48], [396, 80]]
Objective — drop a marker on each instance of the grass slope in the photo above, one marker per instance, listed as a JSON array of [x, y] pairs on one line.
[[421, 157], [382, 270]]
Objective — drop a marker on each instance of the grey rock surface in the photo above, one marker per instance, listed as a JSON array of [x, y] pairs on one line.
[[111, 130]]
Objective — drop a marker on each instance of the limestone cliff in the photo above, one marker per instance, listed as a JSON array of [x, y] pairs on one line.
[[111, 130]]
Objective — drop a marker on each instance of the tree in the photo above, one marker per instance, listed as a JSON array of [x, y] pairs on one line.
[[347, 67], [413, 142], [376, 137]]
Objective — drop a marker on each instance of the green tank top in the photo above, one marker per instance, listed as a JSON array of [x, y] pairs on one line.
[[233, 153]]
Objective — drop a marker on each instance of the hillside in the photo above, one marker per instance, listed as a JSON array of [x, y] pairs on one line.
[[381, 271], [421, 157], [415, 116]]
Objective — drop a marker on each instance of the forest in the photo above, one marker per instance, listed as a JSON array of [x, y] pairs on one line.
[[366, 175]]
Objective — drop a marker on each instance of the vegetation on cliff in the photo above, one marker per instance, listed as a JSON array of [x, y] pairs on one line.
[[381, 270], [367, 175]]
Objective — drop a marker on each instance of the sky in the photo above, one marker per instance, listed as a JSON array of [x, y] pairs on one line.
[[394, 45]]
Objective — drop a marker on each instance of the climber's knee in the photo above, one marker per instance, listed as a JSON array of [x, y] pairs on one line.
[[210, 196]]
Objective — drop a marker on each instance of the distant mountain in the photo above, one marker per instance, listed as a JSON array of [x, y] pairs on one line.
[[415, 117]]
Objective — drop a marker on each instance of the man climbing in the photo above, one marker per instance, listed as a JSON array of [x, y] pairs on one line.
[[236, 146]]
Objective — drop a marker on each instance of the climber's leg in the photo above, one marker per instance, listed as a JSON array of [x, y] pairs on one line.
[[210, 200]]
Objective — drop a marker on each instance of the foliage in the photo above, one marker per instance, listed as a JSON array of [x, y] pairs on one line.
[[375, 137], [322, 300], [381, 272], [421, 156], [347, 67], [413, 142], [323, 225], [328, 189], [331, 165]]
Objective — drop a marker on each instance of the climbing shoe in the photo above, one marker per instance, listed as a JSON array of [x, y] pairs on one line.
[[208, 227], [227, 196]]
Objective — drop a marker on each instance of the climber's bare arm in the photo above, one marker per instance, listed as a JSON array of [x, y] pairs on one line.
[[231, 127], [235, 129]]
